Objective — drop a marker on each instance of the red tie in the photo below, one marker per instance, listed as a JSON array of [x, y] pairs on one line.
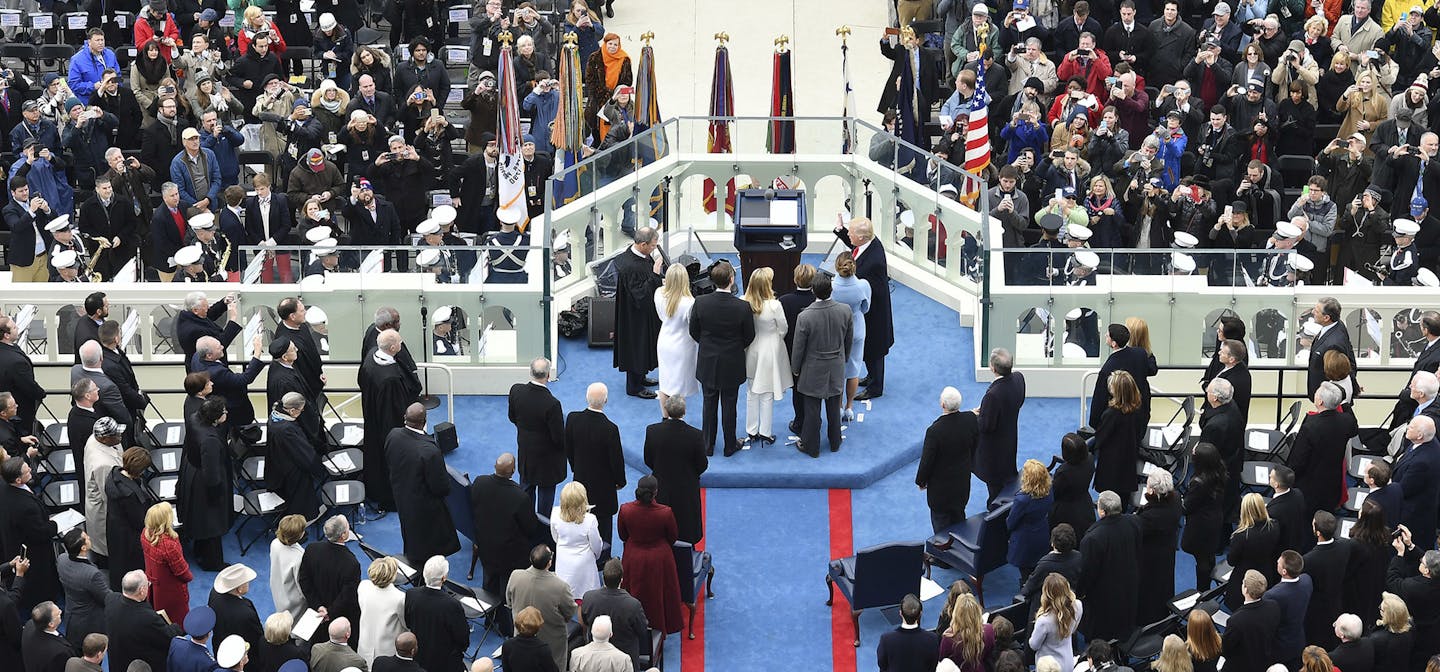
[[179, 222]]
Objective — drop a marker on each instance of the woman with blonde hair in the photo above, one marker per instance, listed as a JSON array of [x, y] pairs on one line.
[[1140, 336], [577, 540], [1117, 437], [286, 550], [957, 588], [165, 563], [1173, 656], [1364, 106], [1315, 659], [1255, 544], [675, 348], [1029, 519], [1392, 639], [278, 646], [382, 610], [767, 363], [1056, 622], [967, 639], [853, 292]]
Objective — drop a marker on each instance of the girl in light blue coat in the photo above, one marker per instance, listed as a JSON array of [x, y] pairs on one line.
[[1056, 622], [855, 293]]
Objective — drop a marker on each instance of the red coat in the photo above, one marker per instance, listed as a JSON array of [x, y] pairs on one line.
[[144, 32], [277, 41], [169, 575], [649, 563], [1094, 75]]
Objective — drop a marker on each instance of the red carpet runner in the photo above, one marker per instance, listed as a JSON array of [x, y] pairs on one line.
[[692, 651], [842, 544]]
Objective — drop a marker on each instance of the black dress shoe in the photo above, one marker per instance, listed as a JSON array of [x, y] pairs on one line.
[[794, 428], [867, 394], [731, 450], [644, 394], [800, 446], [834, 447], [865, 382], [650, 382]]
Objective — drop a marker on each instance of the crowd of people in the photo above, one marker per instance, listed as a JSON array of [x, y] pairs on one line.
[[1193, 129], [113, 156]]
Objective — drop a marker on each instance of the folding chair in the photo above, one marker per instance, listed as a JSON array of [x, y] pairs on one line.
[[1144, 645], [258, 504], [57, 434], [1359, 465], [166, 460], [163, 486], [1255, 477], [343, 495], [1354, 500], [61, 495], [344, 462], [168, 434], [479, 606], [1164, 445]]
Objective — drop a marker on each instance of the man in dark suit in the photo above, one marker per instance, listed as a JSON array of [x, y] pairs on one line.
[[1385, 492], [1417, 472], [1414, 575], [80, 422], [92, 366], [233, 387], [945, 459], [1222, 426], [592, 446], [235, 614], [43, 647], [1062, 559], [1292, 594], [999, 416], [1327, 565], [822, 345], [871, 266], [627, 615], [136, 631], [676, 455], [97, 308], [404, 658], [723, 326], [1333, 336], [329, 575], [1123, 357], [112, 218], [421, 484], [1318, 456], [1235, 367], [25, 217], [436, 618], [505, 527], [373, 220], [792, 303], [268, 216], [378, 103], [1249, 641], [168, 228], [17, 376], [25, 522], [117, 367], [1354, 653], [908, 648], [539, 436], [291, 312], [1427, 360], [201, 318], [1287, 507], [1110, 571]]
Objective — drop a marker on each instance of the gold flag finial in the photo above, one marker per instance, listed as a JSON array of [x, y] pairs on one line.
[[844, 33], [780, 43], [907, 34], [571, 40], [722, 37], [647, 36], [506, 38]]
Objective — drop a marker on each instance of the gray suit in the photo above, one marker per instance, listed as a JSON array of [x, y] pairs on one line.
[[822, 344], [600, 657], [550, 594], [86, 588], [331, 657], [112, 403]]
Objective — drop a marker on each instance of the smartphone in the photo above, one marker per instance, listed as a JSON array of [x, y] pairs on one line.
[[1393, 535], [24, 552], [1372, 54], [1059, 194], [1111, 81], [419, 95]]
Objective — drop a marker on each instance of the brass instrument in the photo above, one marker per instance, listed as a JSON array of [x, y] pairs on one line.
[[92, 259]]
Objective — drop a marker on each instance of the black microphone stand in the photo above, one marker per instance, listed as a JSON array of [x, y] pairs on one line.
[[429, 401]]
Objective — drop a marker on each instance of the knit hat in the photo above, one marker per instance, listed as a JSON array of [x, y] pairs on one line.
[[1035, 83], [1422, 82], [71, 102], [209, 15], [315, 159]]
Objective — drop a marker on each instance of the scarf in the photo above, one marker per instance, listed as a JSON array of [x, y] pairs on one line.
[[1096, 207], [152, 70], [613, 63], [331, 106]]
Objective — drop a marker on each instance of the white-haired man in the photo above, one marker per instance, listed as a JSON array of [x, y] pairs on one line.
[[437, 619], [945, 460], [91, 367], [592, 445], [600, 655], [1417, 471], [386, 390], [330, 575], [200, 318], [233, 387], [1354, 652], [1318, 456]]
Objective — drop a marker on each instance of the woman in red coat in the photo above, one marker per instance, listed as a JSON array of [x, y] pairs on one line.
[[165, 564], [648, 530]]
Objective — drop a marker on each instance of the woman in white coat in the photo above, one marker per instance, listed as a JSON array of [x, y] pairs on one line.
[[382, 611], [767, 364], [676, 349], [855, 293], [577, 540], [285, 554]]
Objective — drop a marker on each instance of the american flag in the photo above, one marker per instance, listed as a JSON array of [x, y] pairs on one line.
[[847, 105], [977, 139]]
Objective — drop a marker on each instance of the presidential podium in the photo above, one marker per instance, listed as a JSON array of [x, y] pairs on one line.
[[770, 229]]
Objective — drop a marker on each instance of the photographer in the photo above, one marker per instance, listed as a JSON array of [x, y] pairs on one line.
[[1296, 65], [119, 101], [482, 103], [404, 178], [1141, 165], [432, 142], [1221, 30], [540, 105], [421, 70], [1025, 131], [966, 42], [1407, 43], [1362, 230], [225, 142], [1232, 231], [272, 107], [1267, 34], [1209, 66], [202, 60], [1176, 97], [1028, 61], [1017, 29], [87, 135], [364, 141], [303, 133], [1396, 136], [1110, 143], [1089, 64], [419, 101], [528, 22], [1364, 105], [1248, 103], [131, 180]]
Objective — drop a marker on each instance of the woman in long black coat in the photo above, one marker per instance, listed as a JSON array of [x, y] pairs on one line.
[[204, 491], [1117, 438], [1255, 544], [1071, 486], [1203, 515], [292, 468], [1369, 559], [127, 501], [1159, 535]]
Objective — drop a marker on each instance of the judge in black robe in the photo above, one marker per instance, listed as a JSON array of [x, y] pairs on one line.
[[24, 521], [329, 577], [637, 325], [385, 392], [292, 468], [592, 446], [204, 489], [285, 377], [307, 356], [403, 358], [417, 470]]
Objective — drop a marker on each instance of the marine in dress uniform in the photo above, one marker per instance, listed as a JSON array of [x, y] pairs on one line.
[[66, 266], [507, 264], [190, 266], [442, 331], [1042, 269], [445, 267], [1278, 269], [217, 253], [66, 239], [1400, 267], [324, 259]]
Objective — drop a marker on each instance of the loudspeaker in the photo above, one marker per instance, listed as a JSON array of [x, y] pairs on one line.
[[445, 437], [602, 322]]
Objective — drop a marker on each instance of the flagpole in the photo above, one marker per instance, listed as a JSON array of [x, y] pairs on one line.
[[847, 101]]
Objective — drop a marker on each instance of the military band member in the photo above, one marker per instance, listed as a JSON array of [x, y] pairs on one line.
[[190, 265], [1180, 264], [507, 264], [67, 267], [325, 259], [217, 253], [1080, 269], [66, 238], [429, 232], [320, 324], [1277, 269], [430, 261], [465, 259], [1400, 267], [442, 331]]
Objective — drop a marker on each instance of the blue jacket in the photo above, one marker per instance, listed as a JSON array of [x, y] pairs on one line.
[[1029, 524], [188, 656], [180, 175], [1293, 598], [45, 131], [85, 71], [227, 151], [1170, 150], [47, 180], [543, 106], [1025, 134]]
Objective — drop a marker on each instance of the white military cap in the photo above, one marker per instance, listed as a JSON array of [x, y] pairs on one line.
[[508, 215], [1185, 241], [1301, 262], [316, 315], [318, 234], [66, 259], [1311, 328], [442, 315], [429, 257], [185, 256], [58, 224], [1087, 259], [427, 227], [1405, 227], [444, 214], [202, 222], [1286, 231], [325, 248], [1182, 262], [1078, 231], [1426, 278]]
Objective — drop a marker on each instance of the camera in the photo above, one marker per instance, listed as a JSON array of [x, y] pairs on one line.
[[419, 95], [1017, 49], [1084, 53]]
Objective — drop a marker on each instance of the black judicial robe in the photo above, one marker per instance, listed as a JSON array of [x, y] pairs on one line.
[[403, 358], [203, 495], [307, 357], [417, 470], [292, 469], [637, 325], [438, 622], [329, 577], [285, 379], [385, 392]]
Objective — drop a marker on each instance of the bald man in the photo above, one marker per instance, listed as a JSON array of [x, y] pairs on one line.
[[505, 529], [404, 658], [335, 654], [420, 484], [592, 446], [599, 655], [91, 366], [386, 391]]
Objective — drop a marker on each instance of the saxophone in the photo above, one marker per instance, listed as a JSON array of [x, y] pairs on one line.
[[91, 259], [221, 270]]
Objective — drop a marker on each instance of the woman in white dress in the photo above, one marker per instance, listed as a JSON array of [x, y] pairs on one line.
[[285, 554], [767, 364], [382, 611], [577, 540], [675, 348], [855, 293]]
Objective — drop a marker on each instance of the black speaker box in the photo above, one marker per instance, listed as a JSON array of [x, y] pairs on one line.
[[602, 322], [445, 437]]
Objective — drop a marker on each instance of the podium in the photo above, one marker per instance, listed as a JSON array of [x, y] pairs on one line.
[[770, 230]]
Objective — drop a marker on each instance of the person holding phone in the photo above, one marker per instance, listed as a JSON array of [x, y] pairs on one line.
[[26, 531]]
